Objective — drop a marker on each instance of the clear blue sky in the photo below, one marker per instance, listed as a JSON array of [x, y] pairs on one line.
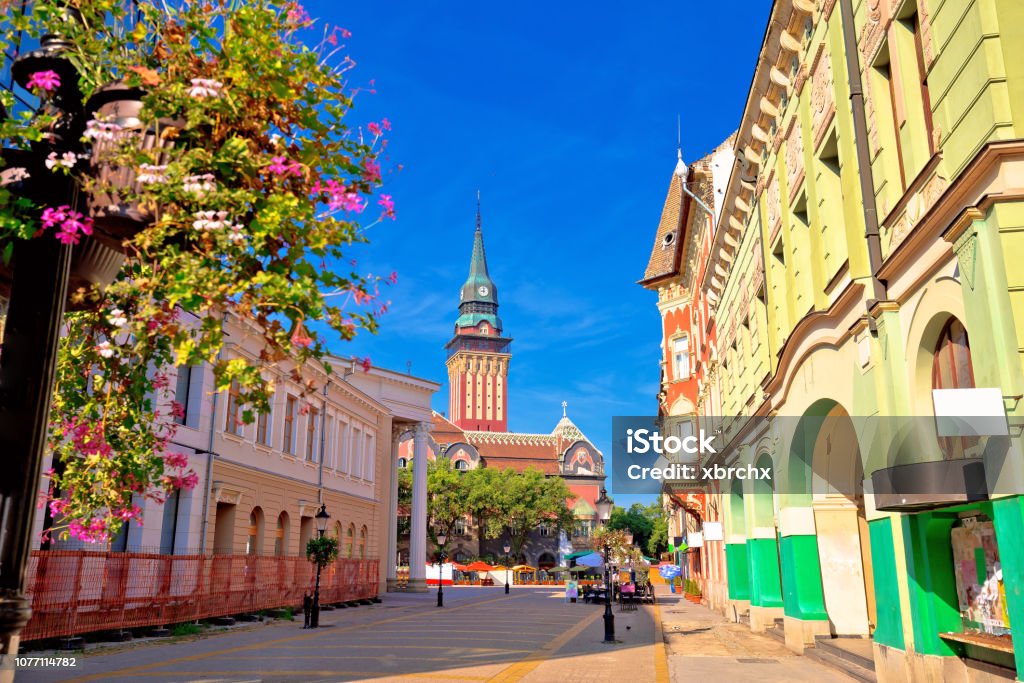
[[564, 116]]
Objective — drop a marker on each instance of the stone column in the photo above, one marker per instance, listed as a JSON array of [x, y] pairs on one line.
[[418, 529], [392, 498]]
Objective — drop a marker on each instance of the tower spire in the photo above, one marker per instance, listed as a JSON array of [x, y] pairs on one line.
[[478, 229], [680, 164]]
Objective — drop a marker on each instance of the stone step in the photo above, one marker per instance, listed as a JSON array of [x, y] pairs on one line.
[[856, 650], [833, 657], [777, 632]]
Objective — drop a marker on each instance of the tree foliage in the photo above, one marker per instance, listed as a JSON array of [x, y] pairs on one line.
[[648, 524], [505, 502], [255, 184]]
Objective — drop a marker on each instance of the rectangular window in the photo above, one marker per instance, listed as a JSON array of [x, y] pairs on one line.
[[288, 442], [233, 416], [263, 428], [368, 455], [344, 447], [357, 452], [460, 527], [681, 357], [312, 422], [182, 389], [169, 528]]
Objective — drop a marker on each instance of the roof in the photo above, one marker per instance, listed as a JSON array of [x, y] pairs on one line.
[[663, 254]]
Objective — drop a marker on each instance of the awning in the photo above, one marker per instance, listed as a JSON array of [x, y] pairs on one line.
[[591, 559], [557, 570], [523, 568], [578, 553], [479, 566]]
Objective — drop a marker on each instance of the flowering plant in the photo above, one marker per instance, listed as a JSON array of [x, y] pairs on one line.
[[255, 185]]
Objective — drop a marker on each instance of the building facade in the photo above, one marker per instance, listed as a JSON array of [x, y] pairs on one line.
[[260, 484], [863, 277]]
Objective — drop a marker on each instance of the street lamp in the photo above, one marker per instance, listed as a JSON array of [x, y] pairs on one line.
[[321, 518], [508, 548], [604, 513], [441, 538]]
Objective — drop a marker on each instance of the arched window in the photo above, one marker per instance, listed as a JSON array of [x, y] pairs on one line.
[[952, 369], [461, 465], [362, 542], [281, 535], [254, 542], [350, 540], [951, 362], [337, 532], [402, 463]]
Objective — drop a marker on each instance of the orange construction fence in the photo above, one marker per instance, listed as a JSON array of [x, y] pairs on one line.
[[74, 592]]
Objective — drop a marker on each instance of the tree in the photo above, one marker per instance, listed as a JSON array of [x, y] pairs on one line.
[[516, 503], [648, 524], [448, 497]]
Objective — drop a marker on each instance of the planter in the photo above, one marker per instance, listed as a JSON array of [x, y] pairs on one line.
[[113, 206]]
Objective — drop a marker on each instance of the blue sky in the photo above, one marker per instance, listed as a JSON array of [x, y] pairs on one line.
[[564, 116]]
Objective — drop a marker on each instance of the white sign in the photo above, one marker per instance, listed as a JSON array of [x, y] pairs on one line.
[[695, 539], [970, 412], [713, 531]]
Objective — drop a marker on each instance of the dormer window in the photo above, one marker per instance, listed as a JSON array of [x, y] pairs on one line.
[[668, 239]]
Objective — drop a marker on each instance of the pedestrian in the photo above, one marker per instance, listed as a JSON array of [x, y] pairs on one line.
[[307, 609], [571, 591]]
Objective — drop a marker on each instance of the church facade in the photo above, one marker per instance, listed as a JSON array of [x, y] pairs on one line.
[[475, 433]]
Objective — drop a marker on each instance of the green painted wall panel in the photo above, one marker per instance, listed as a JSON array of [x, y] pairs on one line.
[[765, 582], [1008, 515], [737, 571], [802, 594], [933, 602], [889, 628]]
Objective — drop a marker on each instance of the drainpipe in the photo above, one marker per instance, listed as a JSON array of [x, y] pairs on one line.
[[860, 138]]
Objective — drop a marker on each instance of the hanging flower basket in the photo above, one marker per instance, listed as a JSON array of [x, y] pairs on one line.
[[116, 125]]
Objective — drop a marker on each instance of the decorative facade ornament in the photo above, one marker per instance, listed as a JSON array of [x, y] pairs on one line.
[[966, 249], [801, 78], [823, 104], [794, 156], [773, 204]]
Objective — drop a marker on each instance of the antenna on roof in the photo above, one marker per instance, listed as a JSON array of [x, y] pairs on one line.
[[679, 134], [478, 209]]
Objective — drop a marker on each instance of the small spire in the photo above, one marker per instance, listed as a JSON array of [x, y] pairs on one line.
[[680, 164], [564, 406], [478, 210]]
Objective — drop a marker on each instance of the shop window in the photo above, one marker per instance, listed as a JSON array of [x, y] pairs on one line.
[[980, 590]]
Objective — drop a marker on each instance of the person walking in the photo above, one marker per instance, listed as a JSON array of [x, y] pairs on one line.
[[307, 609]]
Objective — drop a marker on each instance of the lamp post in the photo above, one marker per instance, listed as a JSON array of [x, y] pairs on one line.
[[441, 538], [604, 513], [508, 548], [321, 518]]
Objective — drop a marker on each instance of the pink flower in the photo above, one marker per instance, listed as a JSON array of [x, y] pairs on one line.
[[374, 128], [388, 204], [281, 166], [366, 364], [345, 33], [385, 124], [177, 460], [71, 225], [43, 80], [393, 278], [371, 171], [300, 338]]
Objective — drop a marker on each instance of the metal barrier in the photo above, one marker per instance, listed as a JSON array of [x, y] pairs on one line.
[[74, 592]]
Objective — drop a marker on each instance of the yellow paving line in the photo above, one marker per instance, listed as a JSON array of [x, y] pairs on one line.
[[519, 670], [138, 670], [305, 674], [660, 655], [365, 646]]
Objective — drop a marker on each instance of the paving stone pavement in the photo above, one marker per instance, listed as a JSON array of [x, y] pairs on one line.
[[701, 644], [532, 636]]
